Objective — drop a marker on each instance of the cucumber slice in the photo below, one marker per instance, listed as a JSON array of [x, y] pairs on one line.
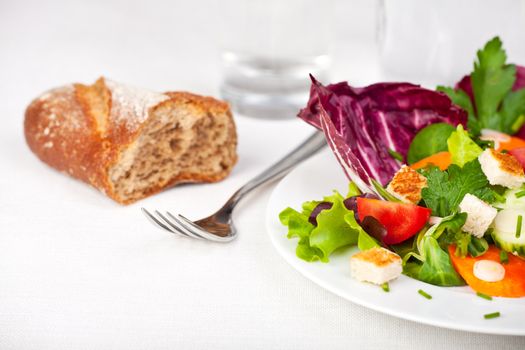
[[511, 201], [504, 233]]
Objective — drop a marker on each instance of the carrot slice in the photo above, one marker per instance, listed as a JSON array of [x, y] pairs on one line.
[[440, 159], [511, 286], [514, 142]]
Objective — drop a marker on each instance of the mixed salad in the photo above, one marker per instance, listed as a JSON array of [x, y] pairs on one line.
[[437, 182]]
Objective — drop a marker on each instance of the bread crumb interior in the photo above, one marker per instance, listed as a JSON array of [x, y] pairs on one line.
[[178, 144]]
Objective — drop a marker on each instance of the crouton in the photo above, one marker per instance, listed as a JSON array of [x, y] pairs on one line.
[[406, 185], [479, 215], [501, 169], [376, 265]]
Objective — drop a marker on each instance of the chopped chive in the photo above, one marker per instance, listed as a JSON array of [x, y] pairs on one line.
[[518, 123], [425, 294], [385, 287], [503, 257], [518, 226], [492, 315], [396, 155], [520, 194], [484, 296]]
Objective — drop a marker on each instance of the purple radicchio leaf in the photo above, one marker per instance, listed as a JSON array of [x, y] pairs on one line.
[[363, 124]]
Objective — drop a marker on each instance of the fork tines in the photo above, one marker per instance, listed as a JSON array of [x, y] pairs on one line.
[[180, 225]]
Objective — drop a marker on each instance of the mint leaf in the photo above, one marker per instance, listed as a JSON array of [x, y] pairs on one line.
[[461, 147], [446, 189], [491, 81]]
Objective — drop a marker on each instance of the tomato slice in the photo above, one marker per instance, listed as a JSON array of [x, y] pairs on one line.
[[519, 154], [401, 220]]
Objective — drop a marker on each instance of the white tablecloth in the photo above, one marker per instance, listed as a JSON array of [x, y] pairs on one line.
[[80, 272]]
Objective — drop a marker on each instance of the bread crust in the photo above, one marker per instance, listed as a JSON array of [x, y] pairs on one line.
[[82, 130]]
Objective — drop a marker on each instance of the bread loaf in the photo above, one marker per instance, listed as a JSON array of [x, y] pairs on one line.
[[131, 143]]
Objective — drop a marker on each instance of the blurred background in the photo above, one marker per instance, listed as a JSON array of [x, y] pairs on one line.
[[156, 44]]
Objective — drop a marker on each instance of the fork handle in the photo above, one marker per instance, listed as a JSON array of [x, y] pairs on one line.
[[306, 149]]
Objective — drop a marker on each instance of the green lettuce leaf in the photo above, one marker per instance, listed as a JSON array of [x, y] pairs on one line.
[[298, 224], [332, 231], [353, 190], [306, 252], [430, 262], [437, 268], [336, 228], [461, 147], [364, 240]]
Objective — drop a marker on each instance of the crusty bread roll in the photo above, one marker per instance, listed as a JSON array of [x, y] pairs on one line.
[[131, 143]]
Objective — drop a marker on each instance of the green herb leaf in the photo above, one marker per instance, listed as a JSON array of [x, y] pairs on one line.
[[513, 112], [494, 106], [461, 99], [428, 141], [446, 189], [461, 147], [491, 80], [385, 287]]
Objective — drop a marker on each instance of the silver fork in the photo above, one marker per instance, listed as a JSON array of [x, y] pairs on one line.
[[219, 227]]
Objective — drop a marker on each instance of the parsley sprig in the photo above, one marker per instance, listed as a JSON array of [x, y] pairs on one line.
[[491, 104], [446, 189]]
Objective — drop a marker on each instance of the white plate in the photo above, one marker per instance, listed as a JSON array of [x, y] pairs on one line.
[[456, 308]]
